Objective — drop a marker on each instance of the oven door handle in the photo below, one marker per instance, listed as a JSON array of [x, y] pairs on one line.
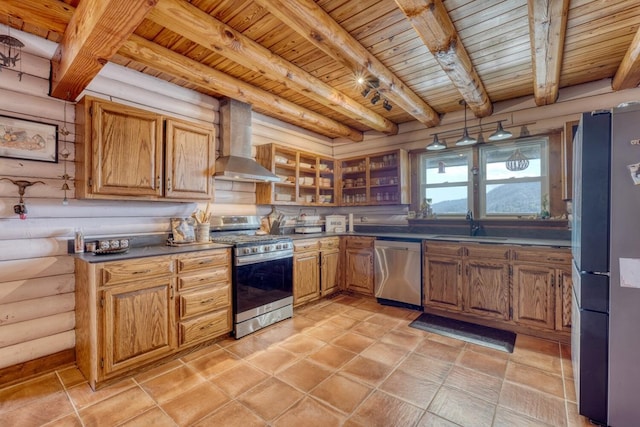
[[263, 257]]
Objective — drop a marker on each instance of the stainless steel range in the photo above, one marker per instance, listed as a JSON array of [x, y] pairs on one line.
[[262, 273]]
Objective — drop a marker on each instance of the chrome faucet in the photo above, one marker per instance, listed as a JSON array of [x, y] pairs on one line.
[[474, 227]]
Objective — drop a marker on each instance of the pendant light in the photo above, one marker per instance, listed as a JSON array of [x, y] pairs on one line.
[[466, 139], [436, 144], [500, 133]]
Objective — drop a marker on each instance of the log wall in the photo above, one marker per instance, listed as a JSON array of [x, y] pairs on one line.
[[37, 280]]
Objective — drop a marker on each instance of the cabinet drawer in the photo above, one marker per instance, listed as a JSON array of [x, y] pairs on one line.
[[360, 242], [216, 275], [331, 243], [306, 245], [488, 251], [200, 261], [205, 327], [542, 256], [199, 302], [438, 248], [126, 271]]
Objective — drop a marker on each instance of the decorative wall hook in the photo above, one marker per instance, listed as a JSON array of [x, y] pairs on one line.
[[21, 208]]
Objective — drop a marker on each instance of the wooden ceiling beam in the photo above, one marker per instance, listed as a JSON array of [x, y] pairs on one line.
[[628, 74], [94, 34], [52, 15], [547, 28], [192, 23], [314, 24], [434, 26], [58, 14], [169, 62]]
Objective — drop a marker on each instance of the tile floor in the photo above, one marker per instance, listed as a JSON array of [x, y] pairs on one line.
[[345, 361]]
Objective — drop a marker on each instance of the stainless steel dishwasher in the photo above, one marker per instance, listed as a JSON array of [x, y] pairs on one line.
[[398, 273]]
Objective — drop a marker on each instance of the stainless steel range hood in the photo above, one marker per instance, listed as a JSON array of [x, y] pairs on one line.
[[235, 162]]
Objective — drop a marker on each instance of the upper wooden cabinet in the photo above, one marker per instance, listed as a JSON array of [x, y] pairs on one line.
[[376, 179], [123, 152], [307, 179], [189, 161]]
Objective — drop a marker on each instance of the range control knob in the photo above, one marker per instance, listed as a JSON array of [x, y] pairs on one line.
[[246, 251], [278, 246]]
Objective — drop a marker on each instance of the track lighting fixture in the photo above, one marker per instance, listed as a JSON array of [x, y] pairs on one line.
[[370, 86]]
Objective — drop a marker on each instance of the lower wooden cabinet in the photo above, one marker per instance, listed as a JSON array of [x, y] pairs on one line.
[[520, 286], [138, 323], [442, 275], [131, 313], [315, 268], [329, 271], [359, 272], [486, 281], [542, 288]]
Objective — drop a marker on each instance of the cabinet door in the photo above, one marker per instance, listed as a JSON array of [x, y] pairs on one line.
[[359, 270], [487, 288], [190, 161], [443, 282], [126, 151], [138, 323], [563, 299], [306, 280], [329, 272], [533, 295]]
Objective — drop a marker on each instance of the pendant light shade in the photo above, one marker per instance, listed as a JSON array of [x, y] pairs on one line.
[[466, 139], [500, 133], [436, 144]]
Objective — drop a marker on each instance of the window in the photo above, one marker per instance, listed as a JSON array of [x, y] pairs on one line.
[[445, 180], [512, 179]]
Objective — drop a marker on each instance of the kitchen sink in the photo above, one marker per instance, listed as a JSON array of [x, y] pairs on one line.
[[469, 238]]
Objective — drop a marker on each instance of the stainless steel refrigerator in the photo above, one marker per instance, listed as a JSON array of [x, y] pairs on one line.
[[605, 337]]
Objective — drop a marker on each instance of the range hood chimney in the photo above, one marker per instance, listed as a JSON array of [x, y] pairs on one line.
[[235, 162]]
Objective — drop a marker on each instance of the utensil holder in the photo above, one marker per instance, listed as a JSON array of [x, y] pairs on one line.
[[202, 232]]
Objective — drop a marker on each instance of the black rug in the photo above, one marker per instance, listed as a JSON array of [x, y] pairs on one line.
[[465, 331]]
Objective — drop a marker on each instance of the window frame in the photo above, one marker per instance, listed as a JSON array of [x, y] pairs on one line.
[[476, 178], [543, 141], [423, 185]]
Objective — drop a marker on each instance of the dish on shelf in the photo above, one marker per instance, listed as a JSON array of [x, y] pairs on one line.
[[281, 160], [283, 197], [308, 180], [305, 165]]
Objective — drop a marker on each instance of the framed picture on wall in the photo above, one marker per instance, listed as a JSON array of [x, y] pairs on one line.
[[28, 140]]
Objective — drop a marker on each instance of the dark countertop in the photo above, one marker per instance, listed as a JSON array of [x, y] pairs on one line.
[[520, 241], [160, 249], [148, 251]]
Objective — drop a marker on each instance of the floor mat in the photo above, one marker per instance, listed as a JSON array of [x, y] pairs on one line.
[[465, 331]]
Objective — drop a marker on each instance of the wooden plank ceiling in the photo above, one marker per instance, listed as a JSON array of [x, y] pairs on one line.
[[299, 60]]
